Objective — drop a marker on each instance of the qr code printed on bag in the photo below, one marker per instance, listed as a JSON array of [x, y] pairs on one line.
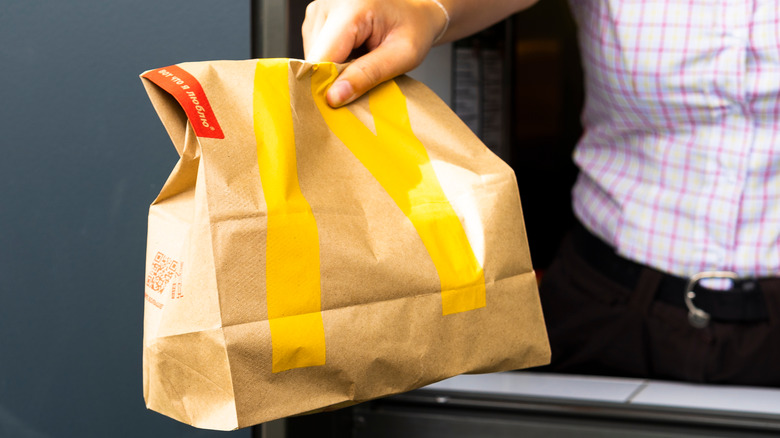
[[162, 270]]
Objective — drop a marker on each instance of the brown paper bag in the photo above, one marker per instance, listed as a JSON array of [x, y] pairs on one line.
[[302, 257]]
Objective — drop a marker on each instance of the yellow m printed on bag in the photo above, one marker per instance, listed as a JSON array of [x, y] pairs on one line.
[[398, 161], [292, 251]]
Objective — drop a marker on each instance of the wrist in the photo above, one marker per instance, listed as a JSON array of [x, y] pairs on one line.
[[438, 17], [446, 25]]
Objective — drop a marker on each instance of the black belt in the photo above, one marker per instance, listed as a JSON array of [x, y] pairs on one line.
[[743, 302]]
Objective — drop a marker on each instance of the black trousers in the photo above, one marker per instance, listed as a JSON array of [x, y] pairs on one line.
[[597, 326]]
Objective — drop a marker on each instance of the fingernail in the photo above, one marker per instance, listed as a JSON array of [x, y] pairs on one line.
[[340, 93]]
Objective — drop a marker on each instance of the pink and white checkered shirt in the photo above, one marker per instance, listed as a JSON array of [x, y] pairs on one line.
[[680, 158]]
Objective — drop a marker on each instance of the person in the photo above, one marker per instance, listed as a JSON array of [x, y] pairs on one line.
[[671, 271]]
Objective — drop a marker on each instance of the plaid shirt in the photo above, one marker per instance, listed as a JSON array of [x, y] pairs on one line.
[[681, 151]]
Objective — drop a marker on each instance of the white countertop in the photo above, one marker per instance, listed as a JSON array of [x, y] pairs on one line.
[[636, 392]]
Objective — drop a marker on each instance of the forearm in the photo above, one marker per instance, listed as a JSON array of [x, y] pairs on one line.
[[470, 16]]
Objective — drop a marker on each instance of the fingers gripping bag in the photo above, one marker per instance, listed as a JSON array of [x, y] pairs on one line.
[[301, 257]]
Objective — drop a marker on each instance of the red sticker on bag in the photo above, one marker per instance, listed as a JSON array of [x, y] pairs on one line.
[[190, 95]]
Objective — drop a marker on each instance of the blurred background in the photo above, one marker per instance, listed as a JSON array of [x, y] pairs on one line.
[[83, 156]]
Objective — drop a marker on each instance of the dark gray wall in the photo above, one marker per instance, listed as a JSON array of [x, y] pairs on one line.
[[82, 154]]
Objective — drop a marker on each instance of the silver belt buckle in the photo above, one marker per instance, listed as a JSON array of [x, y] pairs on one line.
[[698, 317]]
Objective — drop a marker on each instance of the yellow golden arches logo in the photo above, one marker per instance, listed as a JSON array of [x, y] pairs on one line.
[[398, 161], [292, 250]]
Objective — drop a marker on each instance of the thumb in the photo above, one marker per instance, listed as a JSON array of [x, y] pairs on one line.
[[385, 62]]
